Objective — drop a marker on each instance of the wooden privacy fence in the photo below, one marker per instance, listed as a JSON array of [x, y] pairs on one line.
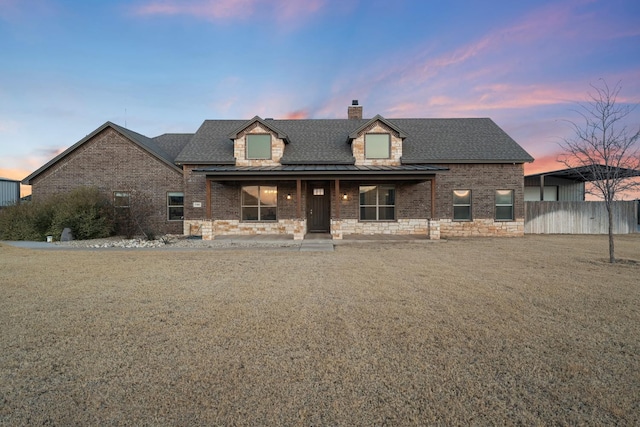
[[579, 218]]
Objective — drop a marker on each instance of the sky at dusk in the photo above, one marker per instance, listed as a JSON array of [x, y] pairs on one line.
[[158, 66]]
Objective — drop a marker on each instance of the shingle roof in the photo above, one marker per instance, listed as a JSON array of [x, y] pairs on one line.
[[326, 141], [465, 140], [173, 143], [211, 143], [145, 142]]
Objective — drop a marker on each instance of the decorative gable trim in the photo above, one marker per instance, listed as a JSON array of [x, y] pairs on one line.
[[264, 123], [371, 123]]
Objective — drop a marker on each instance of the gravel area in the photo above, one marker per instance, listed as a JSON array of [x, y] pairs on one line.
[[538, 330], [182, 242]]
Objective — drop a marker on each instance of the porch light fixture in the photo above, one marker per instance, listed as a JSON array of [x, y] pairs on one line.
[[345, 197], [288, 196]]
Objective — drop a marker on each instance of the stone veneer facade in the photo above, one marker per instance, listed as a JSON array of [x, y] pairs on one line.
[[209, 229], [345, 227], [357, 147], [240, 147], [481, 228]]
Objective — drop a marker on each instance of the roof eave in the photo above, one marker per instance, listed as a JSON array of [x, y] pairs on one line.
[[211, 163], [282, 135], [318, 162], [463, 161], [353, 135]]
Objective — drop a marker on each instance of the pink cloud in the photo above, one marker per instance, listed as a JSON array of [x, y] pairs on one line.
[[297, 115], [283, 10], [546, 163]]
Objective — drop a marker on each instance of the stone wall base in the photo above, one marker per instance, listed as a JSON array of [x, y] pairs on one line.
[[481, 228], [210, 229], [344, 227], [434, 229]]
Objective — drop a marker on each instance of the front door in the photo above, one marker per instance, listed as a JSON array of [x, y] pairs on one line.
[[318, 208]]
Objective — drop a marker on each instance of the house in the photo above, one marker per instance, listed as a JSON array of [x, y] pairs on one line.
[[432, 177], [9, 192]]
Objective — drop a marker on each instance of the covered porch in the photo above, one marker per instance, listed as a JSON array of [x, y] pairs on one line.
[[334, 200]]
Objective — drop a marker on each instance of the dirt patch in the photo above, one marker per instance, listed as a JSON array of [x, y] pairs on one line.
[[478, 331]]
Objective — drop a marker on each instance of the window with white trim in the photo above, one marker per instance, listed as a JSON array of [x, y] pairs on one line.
[[377, 203], [259, 203]]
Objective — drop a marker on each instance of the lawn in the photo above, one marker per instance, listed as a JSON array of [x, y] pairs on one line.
[[536, 330]]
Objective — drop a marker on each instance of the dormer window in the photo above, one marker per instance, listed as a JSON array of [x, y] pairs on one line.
[[259, 146], [377, 146]]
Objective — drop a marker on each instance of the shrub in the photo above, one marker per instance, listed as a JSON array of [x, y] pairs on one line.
[[135, 219], [26, 221], [84, 210]]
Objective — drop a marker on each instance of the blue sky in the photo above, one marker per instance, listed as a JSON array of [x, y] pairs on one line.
[[161, 66]]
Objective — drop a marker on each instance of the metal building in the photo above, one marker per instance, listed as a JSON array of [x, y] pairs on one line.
[[9, 192]]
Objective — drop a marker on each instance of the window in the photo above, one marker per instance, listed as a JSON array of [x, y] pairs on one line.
[[120, 199], [504, 205], [175, 206], [462, 205], [377, 203], [377, 146], [259, 146], [259, 203]]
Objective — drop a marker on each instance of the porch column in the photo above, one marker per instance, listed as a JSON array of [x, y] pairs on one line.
[[433, 198], [338, 199], [208, 181], [542, 188], [298, 198]]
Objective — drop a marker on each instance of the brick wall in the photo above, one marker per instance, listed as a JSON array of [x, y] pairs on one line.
[[111, 163], [483, 180], [226, 200], [412, 200], [195, 192]]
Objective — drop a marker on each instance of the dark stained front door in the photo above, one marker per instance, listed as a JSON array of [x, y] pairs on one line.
[[318, 208]]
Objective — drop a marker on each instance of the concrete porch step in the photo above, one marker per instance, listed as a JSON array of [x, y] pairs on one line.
[[316, 246]]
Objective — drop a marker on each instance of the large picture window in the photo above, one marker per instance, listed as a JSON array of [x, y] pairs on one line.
[[377, 203], [259, 203], [462, 205], [259, 146], [377, 146], [175, 206], [504, 205]]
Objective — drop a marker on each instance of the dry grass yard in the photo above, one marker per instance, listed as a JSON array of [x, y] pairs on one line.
[[532, 331]]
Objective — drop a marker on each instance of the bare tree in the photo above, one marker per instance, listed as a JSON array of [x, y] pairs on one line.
[[603, 150]]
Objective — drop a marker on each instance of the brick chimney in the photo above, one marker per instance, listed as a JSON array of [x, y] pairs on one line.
[[355, 110]]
